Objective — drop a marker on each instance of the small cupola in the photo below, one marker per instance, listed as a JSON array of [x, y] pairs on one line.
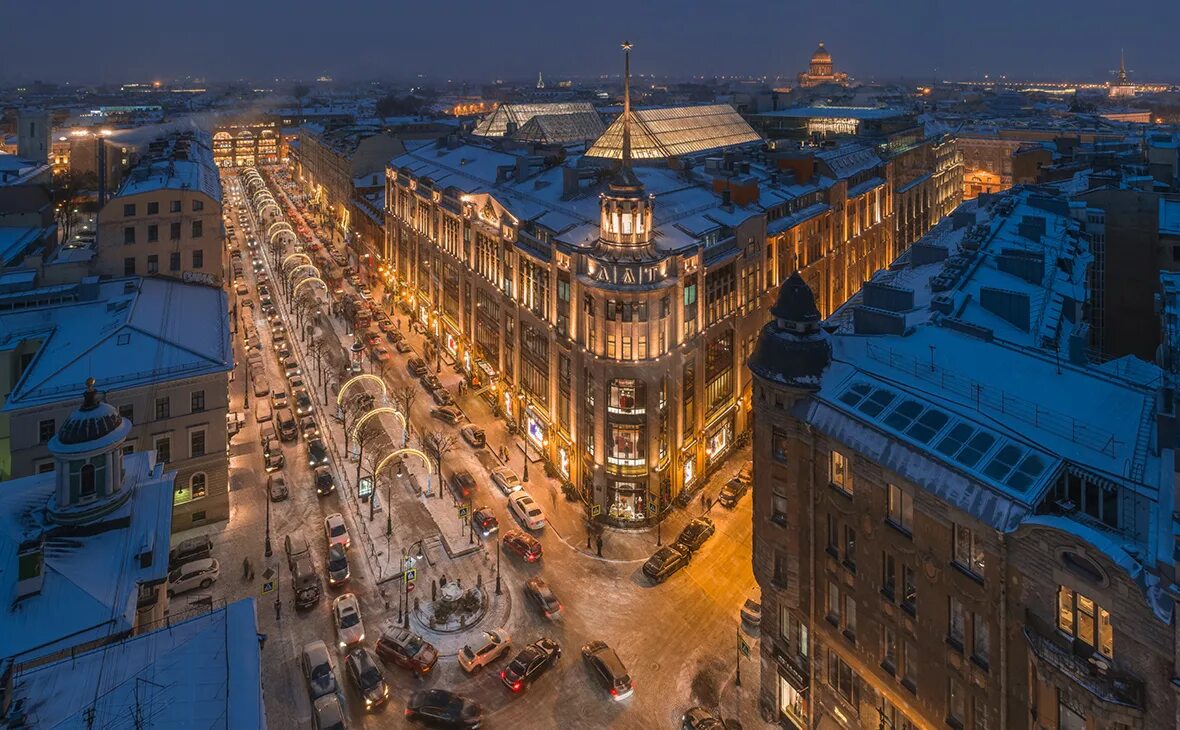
[[89, 460], [792, 349], [795, 309], [626, 209]]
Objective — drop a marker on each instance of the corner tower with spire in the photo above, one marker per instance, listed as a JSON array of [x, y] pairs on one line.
[[626, 210]]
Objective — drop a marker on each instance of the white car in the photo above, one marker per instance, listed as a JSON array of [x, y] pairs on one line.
[[506, 480], [192, 575], [527, 510], [336, 530], [495, 643], [346, 612]]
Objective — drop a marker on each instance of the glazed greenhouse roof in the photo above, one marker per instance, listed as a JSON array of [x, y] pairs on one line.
[[496, 123], [674, 131]]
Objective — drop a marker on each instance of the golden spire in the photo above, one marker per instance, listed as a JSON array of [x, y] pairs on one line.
[[626, 104]]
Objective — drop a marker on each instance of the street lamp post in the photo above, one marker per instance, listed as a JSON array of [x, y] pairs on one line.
[[497, 567], [268, 550]]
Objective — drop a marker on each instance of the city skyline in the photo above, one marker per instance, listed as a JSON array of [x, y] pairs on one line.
[[913, 39]]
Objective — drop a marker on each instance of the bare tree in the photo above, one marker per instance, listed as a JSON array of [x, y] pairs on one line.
[[404, 397], [436, 445]]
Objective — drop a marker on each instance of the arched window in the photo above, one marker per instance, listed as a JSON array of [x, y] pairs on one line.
[[87, 485]]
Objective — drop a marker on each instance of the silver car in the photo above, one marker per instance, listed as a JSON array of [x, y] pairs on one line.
[[190, 576]]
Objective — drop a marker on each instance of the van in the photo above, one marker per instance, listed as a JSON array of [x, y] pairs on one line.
[[186, 551], [262, 411], [261, 387], [288, 428]]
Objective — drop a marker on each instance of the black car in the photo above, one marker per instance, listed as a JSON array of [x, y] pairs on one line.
[[441, 708], [431, 382], [699, 718], [732, 493], [695, 533], [338, 572], [484, 522], [666, 561], [325, 483], [367, 677], [608, 669], [417, 366], [530, 663], [317, 453]]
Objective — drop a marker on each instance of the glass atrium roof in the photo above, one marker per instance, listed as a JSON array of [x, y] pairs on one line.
[[496, 123], [999, 460], [675, 131]]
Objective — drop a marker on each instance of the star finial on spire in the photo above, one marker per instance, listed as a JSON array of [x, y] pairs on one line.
[[627, 45]]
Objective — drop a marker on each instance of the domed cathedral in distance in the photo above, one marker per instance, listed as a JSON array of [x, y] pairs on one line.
[[821, 71]]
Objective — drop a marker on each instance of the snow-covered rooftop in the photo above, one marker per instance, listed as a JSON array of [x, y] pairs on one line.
[[122, 332], [178, 161], [203, 672], [90, 576]]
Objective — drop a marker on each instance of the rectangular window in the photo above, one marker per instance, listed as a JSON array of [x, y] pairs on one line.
[[980, 712], [198, 229], [833, 537], [198, 205], [198, 401], [163, 449], [839, 475], [834, 604], [153, 208], [888, 576], [174, 261], [129, 266], [153, 264], [1065, 610], [968, 550], [909, 673], [153, 233], [842, 679], [163, 409], [174, 231], [174, 206], [909, 590], [129, 235], [956, 622], [128, 210], [888, 650], [780, 445], [778, 502], [901, 508], [980, 639], [46, 430], [1085, 617], [198, 259], [850, 548], [850, 616], [956, 703], [196, 442], [127, 411]]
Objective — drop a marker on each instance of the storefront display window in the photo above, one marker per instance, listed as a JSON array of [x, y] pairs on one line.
[[790, 702], [508, 404], [563, 461], [690, 469], [628, 501], [451, 344], [625, 396], [626, 445], [717, 442], [535, 428]]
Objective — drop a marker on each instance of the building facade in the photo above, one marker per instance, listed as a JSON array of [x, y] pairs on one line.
[[821, 70], [165, 218], [246, 144], [937, 543]]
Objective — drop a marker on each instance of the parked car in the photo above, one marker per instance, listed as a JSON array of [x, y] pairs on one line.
[[494, 643], [732, 493], [443, 708], [528, 665], [543, 597], [304, 580], [381, 353], [474, 436], [463, 484], [276, 487], [747, 472], [308, 427], [291, 368], [752, 611], [417, 366], [406, 649], [329, 713], [527, 509], [695, 533], [338, 570], [186, 551], [317, 453], [193, 575], [699, 718], [484, 521], [526, 546], [447, 414], [442, 396], [279, 399], [402, 346], [303, 404], [288, 426], [273, 460], [325, 483], [666, 561], [366, 677], [608, 669], [346, 615], [336, 530], [506, 480], [316, 662], [431, 382]]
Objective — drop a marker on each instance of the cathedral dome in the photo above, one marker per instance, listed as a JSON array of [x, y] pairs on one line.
[[821, 55], [95, 425]]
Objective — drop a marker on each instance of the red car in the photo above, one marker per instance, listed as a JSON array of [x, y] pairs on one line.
[[406, 649], [526, 546]]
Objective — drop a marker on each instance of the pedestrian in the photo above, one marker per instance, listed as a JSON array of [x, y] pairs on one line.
[[598, 543], [246, 568]]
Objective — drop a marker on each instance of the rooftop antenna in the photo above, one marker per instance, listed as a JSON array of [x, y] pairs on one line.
[[627, 104]]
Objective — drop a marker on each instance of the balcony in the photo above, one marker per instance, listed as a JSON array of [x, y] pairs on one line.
[[1082, 664]]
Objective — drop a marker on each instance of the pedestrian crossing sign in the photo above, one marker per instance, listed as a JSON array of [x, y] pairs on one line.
[[463, 512], [411, 574], [595, 510], [743, 647], [268, 586]]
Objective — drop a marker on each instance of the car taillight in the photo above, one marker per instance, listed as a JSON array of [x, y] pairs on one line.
[[614, 692], [516, 686]]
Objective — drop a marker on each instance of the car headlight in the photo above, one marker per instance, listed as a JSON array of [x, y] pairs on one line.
[[343, 645]]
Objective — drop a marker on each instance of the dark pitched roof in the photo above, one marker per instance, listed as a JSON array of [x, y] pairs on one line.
[[795, 302]]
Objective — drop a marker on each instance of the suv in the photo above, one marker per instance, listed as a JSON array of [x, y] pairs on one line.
[[606, 666], [526, 546], [666, 561], [406, 649], [190, 576], [732, 493], [304, 580], [194, 548], [530, 663], [695, 533]]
